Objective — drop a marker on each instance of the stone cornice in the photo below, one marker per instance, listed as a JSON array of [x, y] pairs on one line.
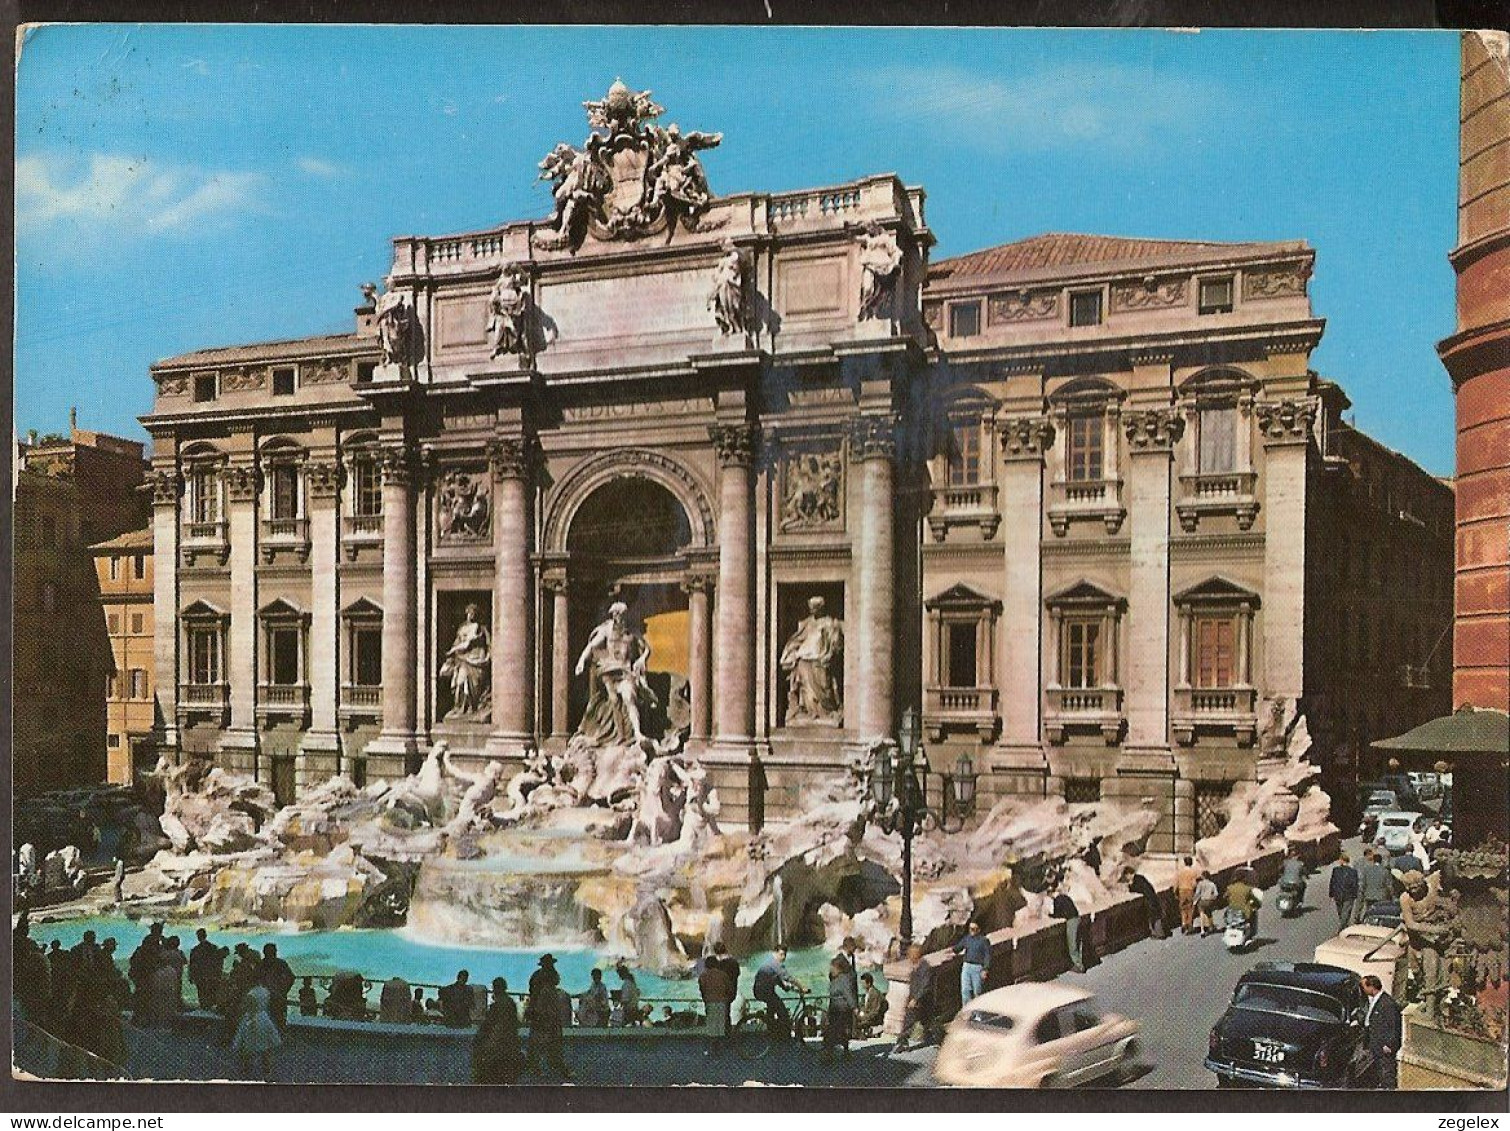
[[1270, 338], [737, 445], [1088, 548], [1215, 544], [158, 424], [1025, 437], [1153, 429]]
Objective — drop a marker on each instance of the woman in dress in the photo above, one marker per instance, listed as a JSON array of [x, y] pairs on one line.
[[256, 1034]]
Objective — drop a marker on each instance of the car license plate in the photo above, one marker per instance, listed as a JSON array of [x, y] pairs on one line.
[[1267, 1052]]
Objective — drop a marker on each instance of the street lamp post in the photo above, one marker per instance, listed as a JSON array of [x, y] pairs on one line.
[[898, 792]]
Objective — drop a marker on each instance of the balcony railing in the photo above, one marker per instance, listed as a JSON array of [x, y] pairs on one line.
[[964, 504], [360, 530], [1217, 709], [282, 701], [1225, 492], [285, 535], [1073, 500], [961, 708], [361, 701], [1070, 708], [209, 701], [205, 538]]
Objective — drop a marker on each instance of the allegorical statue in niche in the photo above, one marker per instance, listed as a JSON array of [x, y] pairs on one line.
[[463, 506], [812, 490], [617, 692], [727, 298], [880, 266], [395, 325], [467, 664], [809, 659], [509, 314]]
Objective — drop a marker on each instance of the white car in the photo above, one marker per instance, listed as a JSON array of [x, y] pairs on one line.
[[1036, 1035], [1396, 831]]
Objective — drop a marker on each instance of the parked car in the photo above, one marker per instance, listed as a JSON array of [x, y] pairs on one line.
[[1427, 785], [1378, 801], [1396, 830], [1292, 1025], [1367, 949], [1036, 1035], [1384, 914]]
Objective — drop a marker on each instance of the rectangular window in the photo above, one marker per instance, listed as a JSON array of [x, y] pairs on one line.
[[365, 370], [115, 567], [139, 567], [961, 639], [367, 656], [204, 655], [113, 741], [964, 320], [1213, 652], [283, 382], [1218, 440], [113, 624], [366, 488], [1082, 653], [285, 491], [204, 387], [1216, 296], [964, 455], [112, 686], [1085, 308], [283, 655], [138, 683], [136, 623], [1084, 457], [204, 496]]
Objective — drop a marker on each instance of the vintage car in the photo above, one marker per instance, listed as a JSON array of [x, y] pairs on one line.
[[1378, 801], [1367, 949], [1396, 830], [1036, 1035], [1292, 1025]]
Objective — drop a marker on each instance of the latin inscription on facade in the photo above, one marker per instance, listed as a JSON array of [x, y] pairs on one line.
[[585, 414], [812, 287], [462, 322], [594, 309]]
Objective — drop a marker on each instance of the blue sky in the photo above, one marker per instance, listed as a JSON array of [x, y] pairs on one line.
[[186, 186]]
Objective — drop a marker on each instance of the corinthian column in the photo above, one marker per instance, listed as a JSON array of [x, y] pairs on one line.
[[560, 655], [871, 608], [697, 586], [1151, 437], [1025, 441], [734, 647], [320, 750], [389, 751], [513, 604]]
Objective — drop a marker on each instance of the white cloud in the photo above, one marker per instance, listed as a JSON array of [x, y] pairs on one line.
[[128, 193], [198, 66], [319, 167], [1116, 107]]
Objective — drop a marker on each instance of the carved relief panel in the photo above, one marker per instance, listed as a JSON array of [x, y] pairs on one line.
[[812, 489], [463, 505]]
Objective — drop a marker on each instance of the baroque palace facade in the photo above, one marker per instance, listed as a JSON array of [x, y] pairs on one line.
[[1064, 496]]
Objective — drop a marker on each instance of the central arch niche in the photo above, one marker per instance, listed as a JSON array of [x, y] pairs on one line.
[[625, 542]]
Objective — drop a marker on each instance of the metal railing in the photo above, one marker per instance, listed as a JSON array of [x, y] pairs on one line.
[[38, 1053]]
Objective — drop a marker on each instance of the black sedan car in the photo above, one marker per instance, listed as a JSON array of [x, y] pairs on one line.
[[1292, 1025]]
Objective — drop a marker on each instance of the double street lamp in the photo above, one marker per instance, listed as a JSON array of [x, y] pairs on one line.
[[899, 787]]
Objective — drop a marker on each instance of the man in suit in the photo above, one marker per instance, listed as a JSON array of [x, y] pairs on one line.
[[1343, 890], [1375, 884], [1381, 1024]]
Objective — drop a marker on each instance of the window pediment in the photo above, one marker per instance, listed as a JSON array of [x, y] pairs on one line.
[[962, 598], [1216, 590], [202, 611], [1086, 594], [282, 610], [1089, 394], [362, 609]]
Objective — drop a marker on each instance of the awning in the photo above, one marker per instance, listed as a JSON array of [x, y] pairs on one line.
[[1468, 730]]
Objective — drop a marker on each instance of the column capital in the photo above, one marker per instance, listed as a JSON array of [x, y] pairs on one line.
[[510, 457], [698, 583], [1153, 429], [873, 436], [241, 483], [1025, 437], [397, 463], [557, 584], [167, 487], [323, 480], [1286, 421], [737, 445]]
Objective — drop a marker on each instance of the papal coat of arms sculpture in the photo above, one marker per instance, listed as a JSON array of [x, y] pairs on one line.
[[632, 177]]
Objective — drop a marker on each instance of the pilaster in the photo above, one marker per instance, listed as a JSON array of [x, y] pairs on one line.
[[167, 491], [389, 753], [320, 750], [1285, 428], [239, 743]]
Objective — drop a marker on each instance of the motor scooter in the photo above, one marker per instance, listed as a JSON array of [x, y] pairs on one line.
[[1240, 931], [1291, 896]]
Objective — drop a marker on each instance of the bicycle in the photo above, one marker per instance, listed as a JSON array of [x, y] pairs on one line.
[[755, 1033]]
